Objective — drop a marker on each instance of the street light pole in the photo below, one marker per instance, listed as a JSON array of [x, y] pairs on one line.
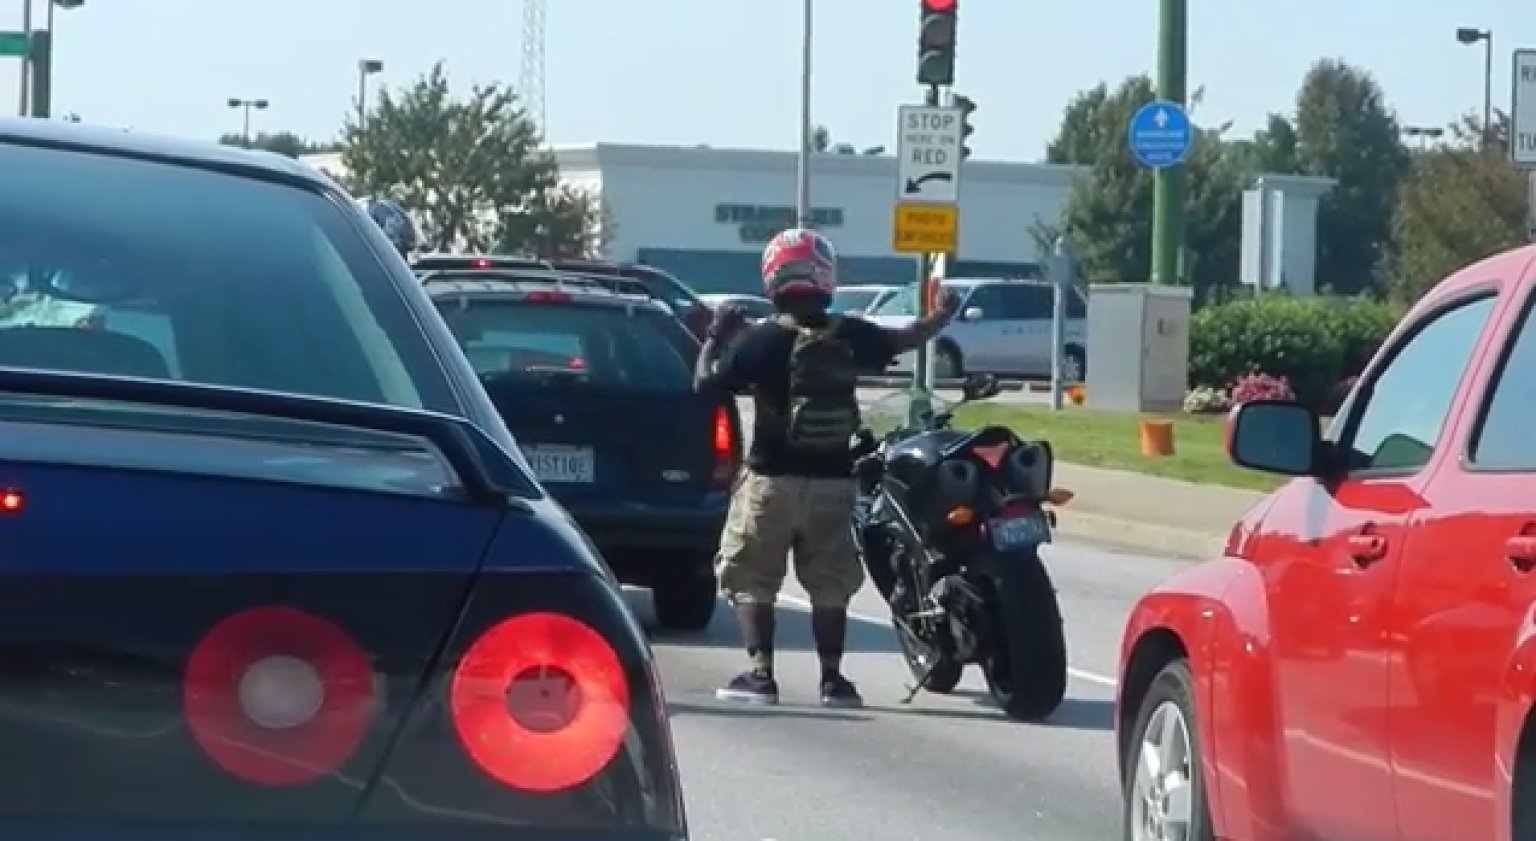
[[803, 173], [365, 67], [245, 105], [1470, 35]]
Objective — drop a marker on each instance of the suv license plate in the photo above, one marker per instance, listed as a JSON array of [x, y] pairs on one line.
[[1013, 534], [557, 465]]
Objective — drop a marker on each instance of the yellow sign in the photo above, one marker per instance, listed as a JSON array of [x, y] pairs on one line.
[[927, 228]]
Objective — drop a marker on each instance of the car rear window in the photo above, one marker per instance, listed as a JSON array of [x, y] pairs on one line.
[[637, 347], [204, 276]]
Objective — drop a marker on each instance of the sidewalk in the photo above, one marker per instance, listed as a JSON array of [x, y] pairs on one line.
[[1152, 514]]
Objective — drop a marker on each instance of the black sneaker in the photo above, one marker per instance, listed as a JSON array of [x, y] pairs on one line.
[[840, 693], [753, 686]]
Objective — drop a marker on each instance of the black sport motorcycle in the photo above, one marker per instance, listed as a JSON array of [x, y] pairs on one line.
[[949, 525]]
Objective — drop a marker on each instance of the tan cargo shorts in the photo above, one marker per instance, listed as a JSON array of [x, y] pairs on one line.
[[770, 516]]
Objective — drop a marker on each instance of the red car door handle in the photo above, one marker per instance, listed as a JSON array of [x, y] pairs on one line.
[[1521, 550], [1367, 549]]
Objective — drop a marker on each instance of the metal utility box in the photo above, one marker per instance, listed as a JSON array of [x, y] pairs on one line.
[[1138, 347]]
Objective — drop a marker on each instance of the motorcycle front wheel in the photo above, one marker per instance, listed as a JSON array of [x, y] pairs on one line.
[[919, 654], [1026, 663]]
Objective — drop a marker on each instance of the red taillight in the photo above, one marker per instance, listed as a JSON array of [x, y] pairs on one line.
[[540, 702], [542, 297], [725, 449], [991, 456], [278, 697], [482, 263], [577, 364], [11, 502]]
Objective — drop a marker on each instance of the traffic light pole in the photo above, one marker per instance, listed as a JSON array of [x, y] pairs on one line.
[[1169, 185]]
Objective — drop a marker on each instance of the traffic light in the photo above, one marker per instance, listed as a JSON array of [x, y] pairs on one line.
[[967, 107], [41, 96], [936, 42]]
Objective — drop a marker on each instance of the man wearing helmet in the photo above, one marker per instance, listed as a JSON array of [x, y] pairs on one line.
[[797, 493], [396, 223]]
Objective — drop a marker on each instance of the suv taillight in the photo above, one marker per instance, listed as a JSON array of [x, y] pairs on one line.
[[725, 450]]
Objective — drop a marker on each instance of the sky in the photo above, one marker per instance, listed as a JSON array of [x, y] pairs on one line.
[[726, 72]]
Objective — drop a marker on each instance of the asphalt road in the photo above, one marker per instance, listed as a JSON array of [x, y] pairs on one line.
[[945, 768]]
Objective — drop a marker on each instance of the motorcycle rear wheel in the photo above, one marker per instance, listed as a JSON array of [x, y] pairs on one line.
[[1026, 667]]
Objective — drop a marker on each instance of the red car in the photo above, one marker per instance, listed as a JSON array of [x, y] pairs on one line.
[[1360, 663]]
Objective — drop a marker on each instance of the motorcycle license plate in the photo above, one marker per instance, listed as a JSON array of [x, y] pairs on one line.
[[1011, 534]]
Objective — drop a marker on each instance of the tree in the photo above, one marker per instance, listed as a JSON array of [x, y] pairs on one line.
[[1345, 131], [472, 170], [1461, 201], [281, 142], [1109, 213]]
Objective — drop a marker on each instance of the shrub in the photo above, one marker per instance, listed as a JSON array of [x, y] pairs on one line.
[[1204, 399], [1259, 386], [1312, 343]]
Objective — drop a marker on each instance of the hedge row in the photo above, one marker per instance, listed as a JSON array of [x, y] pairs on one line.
[[1315, 343]]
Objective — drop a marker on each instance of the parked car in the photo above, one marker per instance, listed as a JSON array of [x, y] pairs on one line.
[[755, 307], [284, 573], [561, 362], [1360, 662], [1004, 327], [858, 299]]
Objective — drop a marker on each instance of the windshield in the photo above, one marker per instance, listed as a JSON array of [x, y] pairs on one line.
[[636, 348], [853, 299], [889, 412], [129, 268]]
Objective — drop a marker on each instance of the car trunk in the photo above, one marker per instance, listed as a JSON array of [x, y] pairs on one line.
[[592, 442], [196, 628]]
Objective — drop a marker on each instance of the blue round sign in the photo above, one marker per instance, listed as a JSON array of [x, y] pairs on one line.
[[1161, 134]]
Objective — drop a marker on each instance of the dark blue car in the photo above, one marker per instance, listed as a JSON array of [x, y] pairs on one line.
[[270, 567]]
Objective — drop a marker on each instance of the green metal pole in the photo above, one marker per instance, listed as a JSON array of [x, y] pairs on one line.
[[1170, 189], [920, 397]]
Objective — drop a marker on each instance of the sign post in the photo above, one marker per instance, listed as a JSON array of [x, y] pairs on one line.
[[1522, 128], [929, 143]]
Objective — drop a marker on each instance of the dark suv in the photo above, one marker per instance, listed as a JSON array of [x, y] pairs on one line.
[[597, 386], [653, 282], [690, 308]]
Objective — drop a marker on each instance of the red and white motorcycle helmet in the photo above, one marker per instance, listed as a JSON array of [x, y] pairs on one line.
[[799, 260]]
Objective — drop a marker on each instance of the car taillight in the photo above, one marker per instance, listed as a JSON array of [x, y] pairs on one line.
[[725, 449], [540, 702], [278, 697], [482, 263], [576, 363], [547, 298], [11, 502]]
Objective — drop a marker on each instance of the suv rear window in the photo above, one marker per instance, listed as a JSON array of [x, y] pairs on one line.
[[209, 277], [638, 348]]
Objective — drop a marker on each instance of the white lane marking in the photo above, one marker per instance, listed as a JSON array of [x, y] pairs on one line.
[[1088, 677]]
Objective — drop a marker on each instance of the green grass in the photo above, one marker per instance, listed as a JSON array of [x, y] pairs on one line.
[[1113, 440]]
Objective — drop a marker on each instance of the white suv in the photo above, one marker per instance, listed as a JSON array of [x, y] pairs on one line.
[[1004, 327]]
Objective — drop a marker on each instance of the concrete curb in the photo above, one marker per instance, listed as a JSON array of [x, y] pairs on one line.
[[1141, 538]]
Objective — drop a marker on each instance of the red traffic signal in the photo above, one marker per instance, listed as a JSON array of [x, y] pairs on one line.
[[936, 42], [939, 6]]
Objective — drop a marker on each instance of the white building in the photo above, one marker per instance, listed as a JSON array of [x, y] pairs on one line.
[[704, 213]]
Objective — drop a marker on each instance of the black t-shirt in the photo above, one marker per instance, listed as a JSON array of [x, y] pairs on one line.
[[758, 361]]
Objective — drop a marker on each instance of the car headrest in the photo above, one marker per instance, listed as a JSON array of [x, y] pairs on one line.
[[81, 350]]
